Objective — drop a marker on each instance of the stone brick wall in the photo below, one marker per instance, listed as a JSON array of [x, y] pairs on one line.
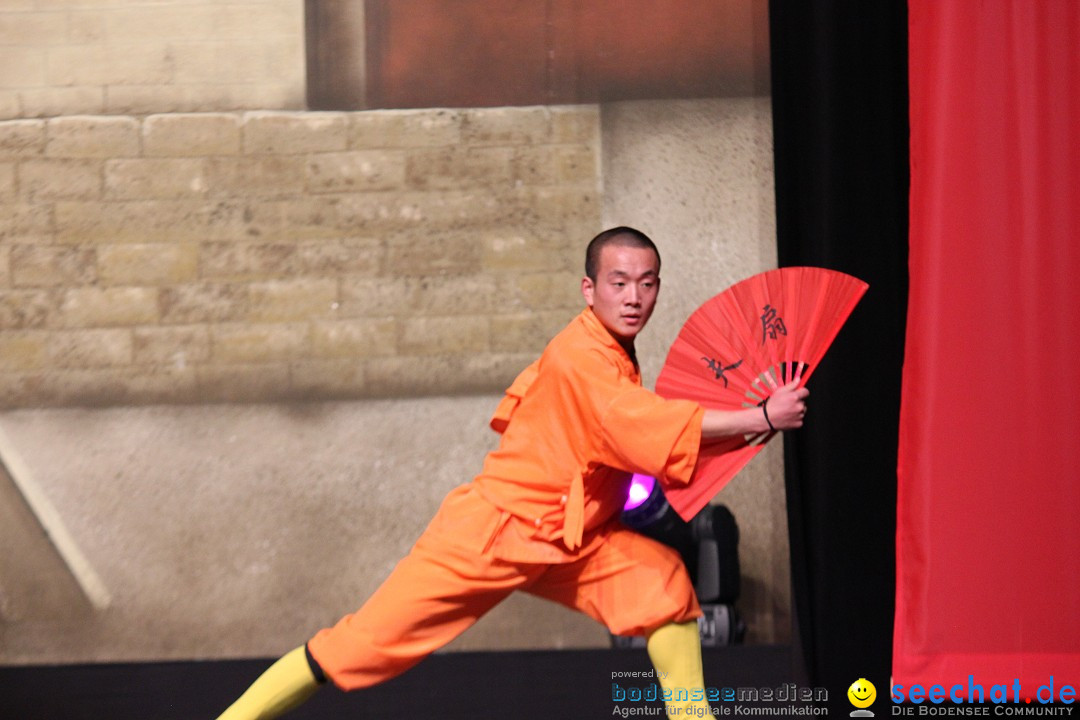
[[63, 57], [273, 255]]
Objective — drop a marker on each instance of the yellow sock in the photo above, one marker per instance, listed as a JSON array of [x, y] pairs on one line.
[[675, 651], [285, 685]]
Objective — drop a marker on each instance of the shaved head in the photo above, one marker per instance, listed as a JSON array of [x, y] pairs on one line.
[[622, 236]]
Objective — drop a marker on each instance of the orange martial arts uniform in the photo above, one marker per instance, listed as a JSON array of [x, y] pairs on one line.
[[542, 516]]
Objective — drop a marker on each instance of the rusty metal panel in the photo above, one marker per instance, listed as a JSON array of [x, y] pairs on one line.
[[474, 53], [427, 53]]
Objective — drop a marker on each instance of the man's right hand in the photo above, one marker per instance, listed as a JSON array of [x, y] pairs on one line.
[[786, 407]]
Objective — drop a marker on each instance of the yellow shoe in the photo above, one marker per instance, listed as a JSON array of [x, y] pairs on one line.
[[675, 651]]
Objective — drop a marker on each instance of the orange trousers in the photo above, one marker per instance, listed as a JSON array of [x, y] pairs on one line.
[[629, 583]]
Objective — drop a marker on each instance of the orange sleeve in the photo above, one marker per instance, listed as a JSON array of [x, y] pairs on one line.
[[638, 430], [645, 433]]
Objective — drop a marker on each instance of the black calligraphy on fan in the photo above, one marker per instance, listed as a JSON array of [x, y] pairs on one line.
[[718, 368], [772, 324]]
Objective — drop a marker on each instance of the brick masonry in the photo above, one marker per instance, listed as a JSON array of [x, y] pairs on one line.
[[205, 257]]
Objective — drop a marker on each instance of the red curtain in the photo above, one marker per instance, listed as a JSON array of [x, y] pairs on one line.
[[988, 536]]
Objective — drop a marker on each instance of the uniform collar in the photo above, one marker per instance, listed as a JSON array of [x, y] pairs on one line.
[[596, 329]]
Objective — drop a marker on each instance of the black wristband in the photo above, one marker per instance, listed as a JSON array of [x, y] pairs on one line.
[[766, 412], [316, 669]]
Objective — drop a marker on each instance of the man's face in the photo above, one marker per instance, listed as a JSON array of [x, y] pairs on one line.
[[624, 294]]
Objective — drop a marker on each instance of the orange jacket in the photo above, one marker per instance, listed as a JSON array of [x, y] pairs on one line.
[[575, 424]]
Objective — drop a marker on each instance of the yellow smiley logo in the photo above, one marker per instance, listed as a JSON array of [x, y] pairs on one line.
[[862, 693]]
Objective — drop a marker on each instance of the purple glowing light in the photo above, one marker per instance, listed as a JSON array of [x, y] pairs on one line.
[[641, 486]]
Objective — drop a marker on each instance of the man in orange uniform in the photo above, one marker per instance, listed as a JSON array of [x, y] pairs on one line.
[[542, 516]]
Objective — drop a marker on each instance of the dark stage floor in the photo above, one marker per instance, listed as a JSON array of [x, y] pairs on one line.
[[568, 684]]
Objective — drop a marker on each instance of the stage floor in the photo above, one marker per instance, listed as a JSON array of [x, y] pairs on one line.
[[570, 684]]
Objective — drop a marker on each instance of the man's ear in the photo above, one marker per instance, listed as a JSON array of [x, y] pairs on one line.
[[587, 290]]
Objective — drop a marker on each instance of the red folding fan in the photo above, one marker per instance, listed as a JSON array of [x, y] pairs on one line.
[[741, 345]]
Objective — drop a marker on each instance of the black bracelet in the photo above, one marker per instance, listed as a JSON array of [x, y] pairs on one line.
[[763, 404]]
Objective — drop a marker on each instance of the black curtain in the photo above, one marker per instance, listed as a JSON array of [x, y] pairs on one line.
[[840, 123]]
